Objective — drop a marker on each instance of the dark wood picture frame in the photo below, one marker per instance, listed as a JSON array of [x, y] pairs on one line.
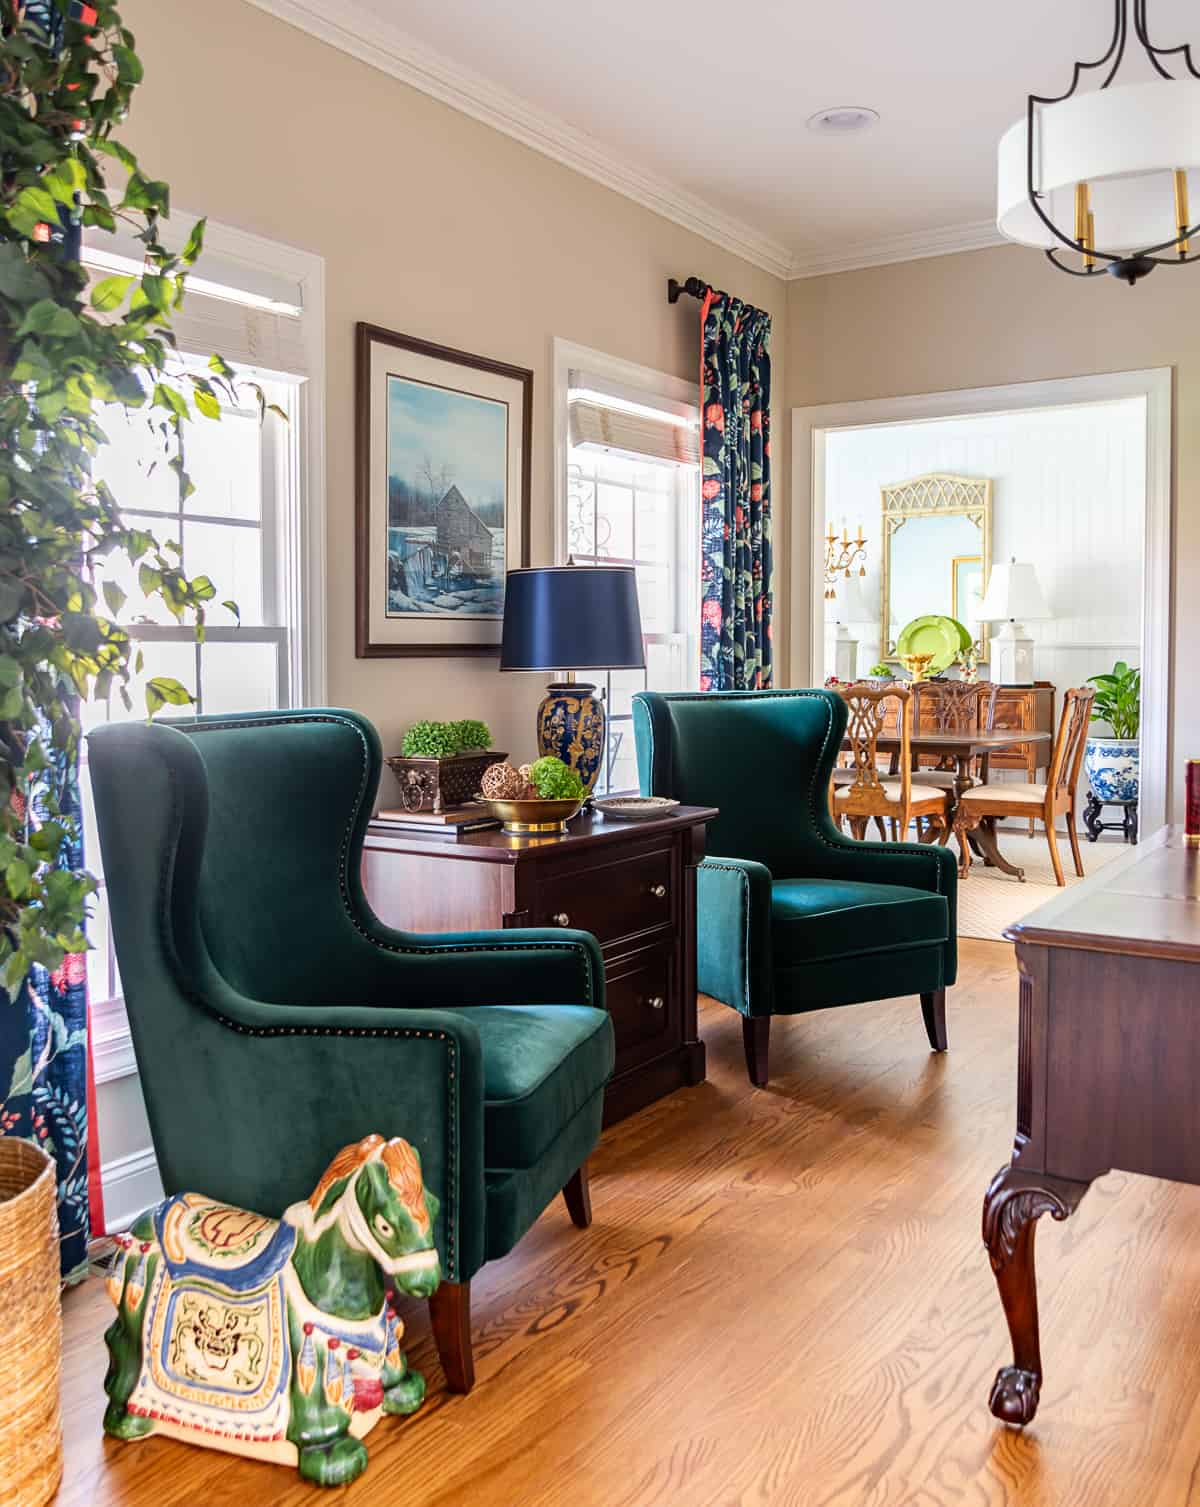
[[367, 335]]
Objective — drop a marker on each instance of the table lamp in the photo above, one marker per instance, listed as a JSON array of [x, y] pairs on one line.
[[584, 617], [1013, 594]]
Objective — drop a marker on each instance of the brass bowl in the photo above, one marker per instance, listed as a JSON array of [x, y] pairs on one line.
[[531, 818]]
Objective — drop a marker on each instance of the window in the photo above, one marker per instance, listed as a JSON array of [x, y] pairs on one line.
[[254, 523], [632, 498]]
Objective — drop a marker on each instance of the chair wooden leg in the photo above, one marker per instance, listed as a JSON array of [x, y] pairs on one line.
[[879, 822], [933, 1008], [1052, 839], [1073, 838], [756, 1039], [450, 1314], [858, 828], [578, 1197]]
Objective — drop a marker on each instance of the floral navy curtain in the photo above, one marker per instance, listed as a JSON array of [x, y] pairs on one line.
[[735, 609], [44, 1067]]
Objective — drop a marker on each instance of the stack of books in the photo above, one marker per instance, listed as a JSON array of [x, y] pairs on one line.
[[455, 821]]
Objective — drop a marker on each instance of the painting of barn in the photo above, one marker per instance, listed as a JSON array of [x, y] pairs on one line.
[[447, 495]]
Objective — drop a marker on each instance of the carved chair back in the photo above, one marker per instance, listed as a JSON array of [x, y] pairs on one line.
[[867, 712], [1069, 742]]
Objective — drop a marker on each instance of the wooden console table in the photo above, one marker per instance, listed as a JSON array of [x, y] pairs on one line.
[[1109, 1047], [632, 884]]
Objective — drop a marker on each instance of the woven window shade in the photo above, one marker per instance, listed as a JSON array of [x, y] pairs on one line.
[[630, 422], [268, 339]]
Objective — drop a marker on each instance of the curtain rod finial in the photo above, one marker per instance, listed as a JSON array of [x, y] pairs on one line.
[[694, 287]]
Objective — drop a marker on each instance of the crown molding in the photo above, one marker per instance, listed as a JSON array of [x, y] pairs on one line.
[[910, 247], [344, 25]]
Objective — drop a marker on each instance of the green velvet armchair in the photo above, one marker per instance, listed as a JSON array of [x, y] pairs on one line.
[[792, 915], [275, 1019]]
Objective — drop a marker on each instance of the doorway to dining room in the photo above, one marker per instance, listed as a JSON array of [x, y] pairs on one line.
[[1067, 483]]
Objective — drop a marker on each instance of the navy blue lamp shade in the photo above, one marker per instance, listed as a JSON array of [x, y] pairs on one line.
[[572, 617]]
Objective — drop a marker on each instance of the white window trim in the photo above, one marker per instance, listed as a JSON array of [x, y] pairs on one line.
[[1154, 384], [303, 450], [568, 356]]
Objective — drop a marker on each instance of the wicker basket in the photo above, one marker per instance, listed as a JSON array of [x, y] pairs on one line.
[[31, 1457]]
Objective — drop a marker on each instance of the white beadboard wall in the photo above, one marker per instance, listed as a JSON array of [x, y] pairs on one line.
[[1069, 495]]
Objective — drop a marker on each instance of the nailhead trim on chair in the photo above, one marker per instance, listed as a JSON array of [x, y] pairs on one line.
[[343, 887]]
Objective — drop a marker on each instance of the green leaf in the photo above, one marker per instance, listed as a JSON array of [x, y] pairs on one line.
[[109, 293], [129, 66], [170, 691], [206, 402], [48, 318], [114, 595], [21, 1082]]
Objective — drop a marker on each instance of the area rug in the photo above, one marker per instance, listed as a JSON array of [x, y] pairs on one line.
[[989, 901]]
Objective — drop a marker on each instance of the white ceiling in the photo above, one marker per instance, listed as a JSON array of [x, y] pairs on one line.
[[699, 106]]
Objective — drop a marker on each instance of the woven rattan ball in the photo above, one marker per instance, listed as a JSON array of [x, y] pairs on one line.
[[501, 782]]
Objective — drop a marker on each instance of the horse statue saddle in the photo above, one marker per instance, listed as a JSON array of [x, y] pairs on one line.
[[231, 1247]]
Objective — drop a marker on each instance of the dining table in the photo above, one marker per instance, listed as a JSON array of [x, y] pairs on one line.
[[966, 748]]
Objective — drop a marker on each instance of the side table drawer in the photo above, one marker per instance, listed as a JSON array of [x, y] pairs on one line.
[[614, 900], [641, 1001]]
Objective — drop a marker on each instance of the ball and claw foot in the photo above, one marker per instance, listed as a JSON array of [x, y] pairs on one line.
[[1015, 1395]]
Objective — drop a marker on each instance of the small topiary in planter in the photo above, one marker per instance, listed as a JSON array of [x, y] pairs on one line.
[[442, 763]]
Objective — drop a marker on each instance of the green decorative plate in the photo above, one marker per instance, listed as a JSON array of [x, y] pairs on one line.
[[936, 635], [964, 637]]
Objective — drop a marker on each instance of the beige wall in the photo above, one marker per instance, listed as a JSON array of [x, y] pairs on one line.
[[1004, 315], [430, 224]]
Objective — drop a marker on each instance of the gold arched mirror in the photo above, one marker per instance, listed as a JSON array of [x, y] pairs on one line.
[[936, 532]]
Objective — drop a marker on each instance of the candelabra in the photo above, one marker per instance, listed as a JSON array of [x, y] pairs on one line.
[[841, 556]]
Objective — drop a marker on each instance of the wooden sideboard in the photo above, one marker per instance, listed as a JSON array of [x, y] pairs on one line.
[[1108, 1055], [1018, 709], [1025, 709], [631, 884]]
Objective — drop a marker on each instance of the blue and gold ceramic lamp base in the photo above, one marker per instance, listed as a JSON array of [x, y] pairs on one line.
[[568, 618], [570, 725]]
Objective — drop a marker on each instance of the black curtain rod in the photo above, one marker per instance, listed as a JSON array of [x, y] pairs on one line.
[[695, 287]]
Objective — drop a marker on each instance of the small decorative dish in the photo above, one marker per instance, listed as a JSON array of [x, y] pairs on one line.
[[534, 818], [635, 808]]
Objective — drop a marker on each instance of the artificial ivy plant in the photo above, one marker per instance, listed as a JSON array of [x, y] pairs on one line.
[[69, 344]]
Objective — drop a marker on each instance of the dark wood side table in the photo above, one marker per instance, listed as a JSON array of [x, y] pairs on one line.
[[632, 884], [1109, 1058]]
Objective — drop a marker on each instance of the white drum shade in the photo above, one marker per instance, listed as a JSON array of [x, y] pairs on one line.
[[1125, 143]]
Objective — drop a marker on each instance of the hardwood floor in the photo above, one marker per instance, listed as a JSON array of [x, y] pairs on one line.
[[783, 1299]]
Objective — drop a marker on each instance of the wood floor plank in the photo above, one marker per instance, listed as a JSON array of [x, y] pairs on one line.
[[783, 1300]]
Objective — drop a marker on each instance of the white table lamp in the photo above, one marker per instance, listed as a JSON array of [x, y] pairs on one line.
[[1013, 596]]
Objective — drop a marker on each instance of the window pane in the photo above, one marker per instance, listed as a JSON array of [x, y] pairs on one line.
[[654, 597], [622, 756], [622, 685], [614, 521], [174, 660], [232, 559], [133, 463], [224, 463], [118, 568], [239, 677]]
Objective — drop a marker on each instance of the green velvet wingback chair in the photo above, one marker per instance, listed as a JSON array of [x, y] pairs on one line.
[[792, 915], [275, 1019]]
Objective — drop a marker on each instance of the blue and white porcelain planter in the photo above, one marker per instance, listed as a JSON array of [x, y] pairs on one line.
[[1112, 768]]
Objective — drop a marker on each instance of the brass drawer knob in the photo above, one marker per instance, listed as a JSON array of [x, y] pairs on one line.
[[659, 891], [657, 1002], [561, 918]]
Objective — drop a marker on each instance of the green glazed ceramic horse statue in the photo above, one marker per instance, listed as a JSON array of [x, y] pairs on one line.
[[276, 1339]]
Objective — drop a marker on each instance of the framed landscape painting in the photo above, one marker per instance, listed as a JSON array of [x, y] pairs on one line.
[[443, 444]]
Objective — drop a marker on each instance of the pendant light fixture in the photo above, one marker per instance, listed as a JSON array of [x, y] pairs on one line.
[[1099, 179]]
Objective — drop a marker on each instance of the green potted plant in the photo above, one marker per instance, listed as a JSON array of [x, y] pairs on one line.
[[1112, 761], [69, 345], [441, 763], [881, 671]]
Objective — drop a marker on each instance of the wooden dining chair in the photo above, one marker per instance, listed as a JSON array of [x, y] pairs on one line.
[[959, 706], [869, 796], [979, 807]]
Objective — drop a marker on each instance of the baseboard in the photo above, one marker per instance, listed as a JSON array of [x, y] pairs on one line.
[[131, 1185]]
